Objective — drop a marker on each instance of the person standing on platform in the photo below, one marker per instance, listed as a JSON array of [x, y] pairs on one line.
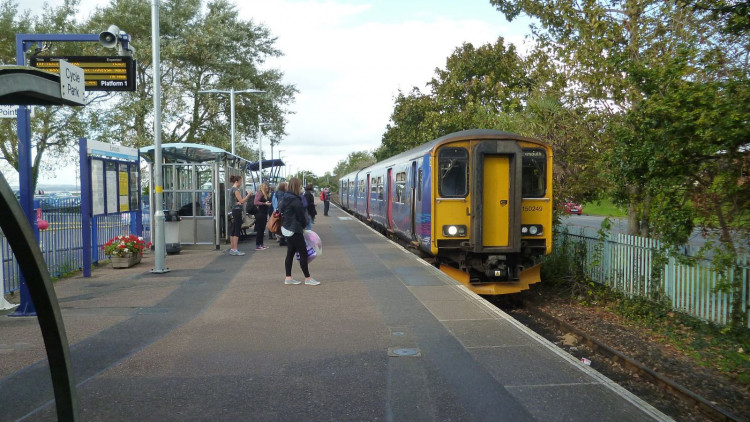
[[311, 211], [238, 211], [326, 196], [278, 195], [293, 227], [262, 201]]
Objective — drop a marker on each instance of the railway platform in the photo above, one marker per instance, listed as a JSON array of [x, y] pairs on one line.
[[384, 337]]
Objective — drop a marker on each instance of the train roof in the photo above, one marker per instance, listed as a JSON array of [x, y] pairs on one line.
[[421, 150]]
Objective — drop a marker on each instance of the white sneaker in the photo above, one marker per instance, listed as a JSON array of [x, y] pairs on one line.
[[236, 252], [292, 281], [312, 282]]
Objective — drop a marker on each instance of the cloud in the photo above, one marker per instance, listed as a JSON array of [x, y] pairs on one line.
[[348, 67]]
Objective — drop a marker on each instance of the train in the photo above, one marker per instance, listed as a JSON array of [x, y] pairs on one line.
[[477, 203]]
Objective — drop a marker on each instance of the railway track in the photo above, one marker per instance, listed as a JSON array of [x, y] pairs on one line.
[[687, 399]]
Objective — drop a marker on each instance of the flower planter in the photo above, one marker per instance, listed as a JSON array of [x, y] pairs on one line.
[[126, 261]]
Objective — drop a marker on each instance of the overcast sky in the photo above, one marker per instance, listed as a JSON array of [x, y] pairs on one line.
[[349, 58]]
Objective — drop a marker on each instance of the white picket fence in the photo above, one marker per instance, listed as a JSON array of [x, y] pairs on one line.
[[626, 264]]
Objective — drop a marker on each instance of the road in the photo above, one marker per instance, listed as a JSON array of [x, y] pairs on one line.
[[590, 224]]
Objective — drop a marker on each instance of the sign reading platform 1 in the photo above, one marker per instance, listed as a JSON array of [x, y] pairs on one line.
[[114, 73]]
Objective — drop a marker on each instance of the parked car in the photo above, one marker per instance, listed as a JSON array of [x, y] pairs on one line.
[[572, 208]]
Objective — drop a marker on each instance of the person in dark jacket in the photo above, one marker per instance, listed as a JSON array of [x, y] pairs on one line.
[[263, 202], [326, 195], [292, 228], [311, 211]]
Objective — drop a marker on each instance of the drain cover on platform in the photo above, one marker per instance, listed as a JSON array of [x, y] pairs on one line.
[[404, 352]]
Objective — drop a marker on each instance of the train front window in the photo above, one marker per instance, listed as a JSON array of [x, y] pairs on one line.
[[534, 173], [453, 166]]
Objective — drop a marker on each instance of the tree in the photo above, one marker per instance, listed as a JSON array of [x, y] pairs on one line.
[[476, 85], [353, 162], [606, 49], [203, 46]]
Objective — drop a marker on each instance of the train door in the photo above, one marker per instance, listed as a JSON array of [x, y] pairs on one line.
[[496, 205], [348, 192], [355, 193], [413, 202], [389, 198], [368, 195]]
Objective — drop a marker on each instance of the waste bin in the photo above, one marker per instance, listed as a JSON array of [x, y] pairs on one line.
[[172, 232]]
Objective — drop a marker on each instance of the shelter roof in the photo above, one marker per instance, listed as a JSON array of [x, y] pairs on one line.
[[25, 85], [197, 153], [276, 162]]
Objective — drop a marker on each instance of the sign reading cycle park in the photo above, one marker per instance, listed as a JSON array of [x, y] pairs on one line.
[[114, 73], [72, 86]]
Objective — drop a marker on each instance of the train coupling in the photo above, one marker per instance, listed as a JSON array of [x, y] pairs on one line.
[[497, 268]]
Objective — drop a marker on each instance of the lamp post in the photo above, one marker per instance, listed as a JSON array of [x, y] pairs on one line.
[[260, 150], [231, 93]]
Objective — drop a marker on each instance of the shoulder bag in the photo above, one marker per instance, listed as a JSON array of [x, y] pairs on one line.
[[274, 222]]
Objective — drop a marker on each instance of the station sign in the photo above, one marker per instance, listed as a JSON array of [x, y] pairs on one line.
[[108, 73], [111, 150], [72, 85], [11, 111]]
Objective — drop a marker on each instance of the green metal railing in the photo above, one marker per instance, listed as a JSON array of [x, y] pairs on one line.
[[635, 266]]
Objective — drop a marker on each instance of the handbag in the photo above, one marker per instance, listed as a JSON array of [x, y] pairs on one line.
[[246, 221], [274, 222]]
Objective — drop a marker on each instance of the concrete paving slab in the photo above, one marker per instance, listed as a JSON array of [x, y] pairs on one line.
[[487, 333]]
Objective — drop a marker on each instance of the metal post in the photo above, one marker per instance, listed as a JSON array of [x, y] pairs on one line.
[[216, 204], [231, 107], [160, 247], [231, 93], [86, 205]]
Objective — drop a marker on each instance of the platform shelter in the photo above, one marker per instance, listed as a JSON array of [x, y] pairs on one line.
[[196, 187]]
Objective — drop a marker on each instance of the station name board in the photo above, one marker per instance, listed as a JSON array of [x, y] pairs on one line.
[[115, 73]]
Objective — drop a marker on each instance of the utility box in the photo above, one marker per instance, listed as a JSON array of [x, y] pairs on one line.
[[172, 232]]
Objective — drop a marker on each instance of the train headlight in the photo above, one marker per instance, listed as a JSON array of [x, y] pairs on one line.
[[532, 229], [454, 231]]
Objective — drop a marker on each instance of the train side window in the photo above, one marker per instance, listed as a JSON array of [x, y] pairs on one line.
[[400, 186], [453, 166], [419, 184], [534, 173]]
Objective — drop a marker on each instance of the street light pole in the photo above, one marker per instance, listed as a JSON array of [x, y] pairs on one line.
[[160, 246], [260, 150], [232, 93]]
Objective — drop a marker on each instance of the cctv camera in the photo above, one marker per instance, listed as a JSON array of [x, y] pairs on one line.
[[110, 37]]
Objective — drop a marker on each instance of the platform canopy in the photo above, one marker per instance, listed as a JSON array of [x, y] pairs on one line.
[[197, 153], [276, 162], [25, 85], [194, 153]]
